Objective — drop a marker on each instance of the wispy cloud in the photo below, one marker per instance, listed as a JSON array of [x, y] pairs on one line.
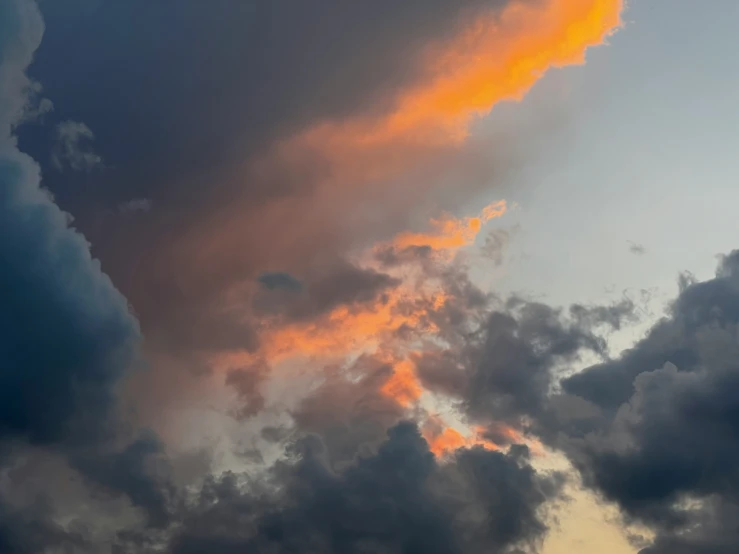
[[73, 147]]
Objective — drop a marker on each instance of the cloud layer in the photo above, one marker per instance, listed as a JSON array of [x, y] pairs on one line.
[[316, 368]]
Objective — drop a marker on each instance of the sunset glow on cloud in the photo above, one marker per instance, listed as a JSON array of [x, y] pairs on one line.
[[342, 277], [493, 56], [496, 57]]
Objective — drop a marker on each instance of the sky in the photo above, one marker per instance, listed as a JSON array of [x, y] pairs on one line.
[[425, 277]]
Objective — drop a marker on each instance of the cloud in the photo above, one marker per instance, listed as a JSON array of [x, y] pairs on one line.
[[332, 284], [449, 233], [398, 499], [336, 147], [34, 530], [67, 334], [637, 249], [660, 436], [292, 264], [72, 148], [496, 244], [136, 205]]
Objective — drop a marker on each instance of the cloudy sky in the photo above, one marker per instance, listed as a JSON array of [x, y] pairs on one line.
[[377, 277]]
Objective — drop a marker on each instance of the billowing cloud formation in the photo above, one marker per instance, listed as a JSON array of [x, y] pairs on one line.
[[66, 333], [288, 241], [398, 500], [304, 123], [663, 440]]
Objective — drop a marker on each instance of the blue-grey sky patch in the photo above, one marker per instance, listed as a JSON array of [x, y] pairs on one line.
[[278, 280]]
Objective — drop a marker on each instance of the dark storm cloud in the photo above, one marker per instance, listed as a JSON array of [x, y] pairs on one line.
[[674, 339], [397, 500], [655, 430], [518, 355], [66, 334], [507, 367], [663, 438], [141, 471], [34, 530]]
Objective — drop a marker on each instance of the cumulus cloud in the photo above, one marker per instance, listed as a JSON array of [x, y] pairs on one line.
[[67, 335], [662, 440], [397, 500]]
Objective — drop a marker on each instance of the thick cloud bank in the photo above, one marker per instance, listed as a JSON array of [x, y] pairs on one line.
[[66, 333], [382, 402], [662, 440]]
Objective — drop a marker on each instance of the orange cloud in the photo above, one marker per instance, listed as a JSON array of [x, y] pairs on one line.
[[403, 386], [450, 233], [370, 164], [375, 326], [366, 171], [350, 330], [445, 440], [498, 57]]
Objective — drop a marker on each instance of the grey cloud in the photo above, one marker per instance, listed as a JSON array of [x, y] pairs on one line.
[[348, 410], [67, 337], [141, 471], [33, 531], [654, 430], [66, 333], [136, 205], [247, 381], [674, 339], [328, 284], [497, 243], [21, 31], [397, 500], [507, 368], [72, 148], [661, 436], [442, 371]]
